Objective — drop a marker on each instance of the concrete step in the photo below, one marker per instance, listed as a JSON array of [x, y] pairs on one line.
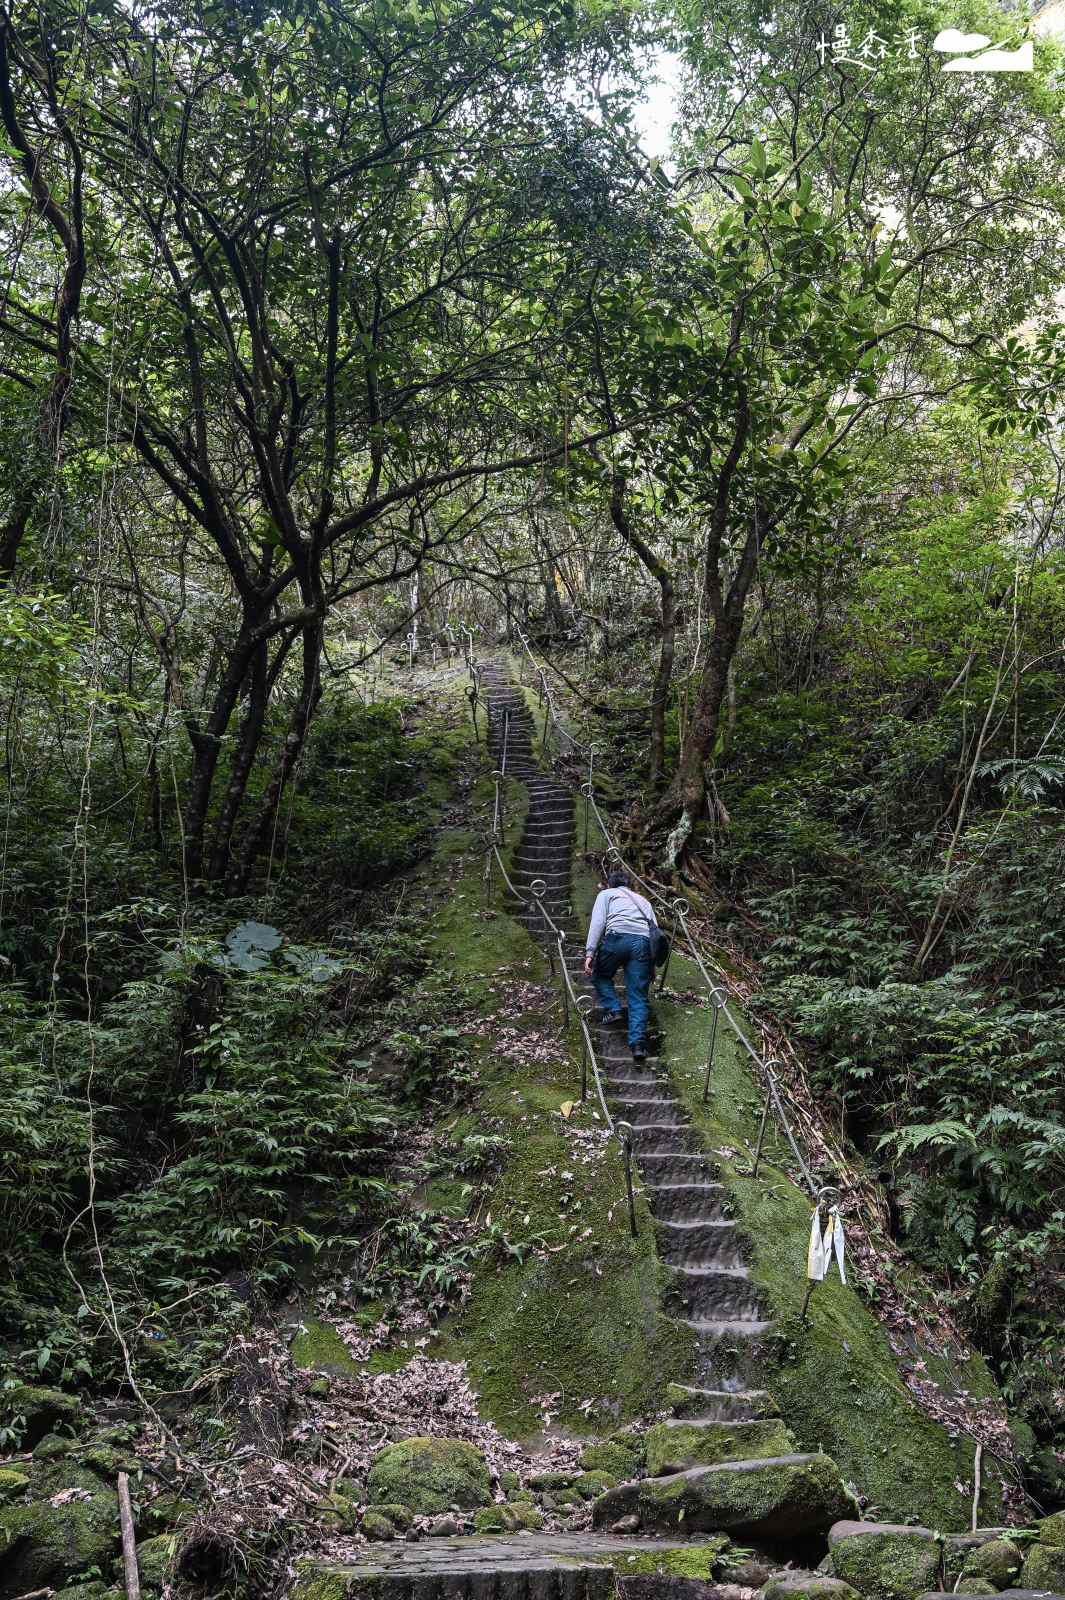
[[699, 1243], [720, 1405], [720, 1330], [673, 1202], [665, 1138], [715, 1294]]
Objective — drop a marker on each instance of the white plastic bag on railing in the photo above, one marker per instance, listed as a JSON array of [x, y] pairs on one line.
[[823, 1246]]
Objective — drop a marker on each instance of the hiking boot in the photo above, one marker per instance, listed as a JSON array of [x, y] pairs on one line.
[[609, 1019], [639, 1052]]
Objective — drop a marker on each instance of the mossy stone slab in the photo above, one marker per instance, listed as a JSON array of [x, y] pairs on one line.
[[808, 1586], [41, 1409], [786, 1497], [998, 1561], [671, 1446]]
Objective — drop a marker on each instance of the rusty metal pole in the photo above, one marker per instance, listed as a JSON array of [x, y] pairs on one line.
[[761, 1135], [624, 1134], [710, 1054]]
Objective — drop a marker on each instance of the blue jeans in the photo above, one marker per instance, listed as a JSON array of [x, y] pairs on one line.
[[633, 952]]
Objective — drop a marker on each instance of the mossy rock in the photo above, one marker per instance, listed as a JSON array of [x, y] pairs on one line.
[[94, 1589], [13, 1485], [155, 1559], [528, 1517], [1044, 1568], [998, 1561], [41, 1409], [978, 1586], [886, 1561], [318, 1347], [673, 1446], [338, 1511], [107, 1462], [621, 1462], [521, 1497], [376, 1527], [44, 1544], [590, 1485], [51, 1447], [552, 1480], [496, 1519], [430, 1475], [775, 1499], [808, 1586], [1051, 1530], [401, 1517], [508, 1482]]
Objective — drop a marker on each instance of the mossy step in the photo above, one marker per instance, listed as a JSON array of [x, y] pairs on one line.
[[644, 1111], [675, 1445], [685, 1201], [725, 1405], [523, 1567], [713, 1293], [699, 1242], [732, 1328]]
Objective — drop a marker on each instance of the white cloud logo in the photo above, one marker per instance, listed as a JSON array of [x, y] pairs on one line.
[[1019, 60], [951, 40]]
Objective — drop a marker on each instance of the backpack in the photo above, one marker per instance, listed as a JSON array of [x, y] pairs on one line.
[[659, 941]]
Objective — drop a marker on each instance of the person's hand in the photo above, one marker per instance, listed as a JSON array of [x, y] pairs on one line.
[[588, 966]]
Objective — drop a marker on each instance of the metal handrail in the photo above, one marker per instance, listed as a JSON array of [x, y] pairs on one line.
[[677, 909]]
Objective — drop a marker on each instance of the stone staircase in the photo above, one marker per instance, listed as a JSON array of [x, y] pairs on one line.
[[722, 1420]]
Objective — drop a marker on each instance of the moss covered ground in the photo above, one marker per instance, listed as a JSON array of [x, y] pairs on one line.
[[570, 1307]]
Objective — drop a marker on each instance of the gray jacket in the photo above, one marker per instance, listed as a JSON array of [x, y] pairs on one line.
[[618, 911]]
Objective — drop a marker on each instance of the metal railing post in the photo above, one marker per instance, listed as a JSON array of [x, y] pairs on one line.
[[561, 937], [710, 1053], [761, 1135], [624, 1134], [589, 792], [471, 696], [584, 1005], [411, 641], [679, 908]]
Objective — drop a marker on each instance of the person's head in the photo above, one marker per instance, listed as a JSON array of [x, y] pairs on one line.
[[618, 880]]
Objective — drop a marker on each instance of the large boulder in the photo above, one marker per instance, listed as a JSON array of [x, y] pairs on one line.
[[886, 1560], [998, 1562], [44, 1545], [808, 1586], [780, 1498], [35, 1411], [1044, 1568], [430, 1475]]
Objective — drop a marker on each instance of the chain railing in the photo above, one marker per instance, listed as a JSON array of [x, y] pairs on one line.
[[677, 910]]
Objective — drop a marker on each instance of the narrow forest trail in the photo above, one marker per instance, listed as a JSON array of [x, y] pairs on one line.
[[723, 1418]]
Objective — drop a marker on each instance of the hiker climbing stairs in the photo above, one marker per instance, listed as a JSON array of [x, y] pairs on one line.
[[723, 1421]]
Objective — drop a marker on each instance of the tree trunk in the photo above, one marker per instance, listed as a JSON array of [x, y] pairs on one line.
[[260, 829], [664, 673]]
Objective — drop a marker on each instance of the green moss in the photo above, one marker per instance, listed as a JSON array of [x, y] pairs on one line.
[[834, 1377], [527, 1515], [45, 1544], [314, 1584], [590, 1485], [1044, 1568], [999, 1561], [318, 1347], [670, 1449], [154, 1560], [35, 1410], [609, 1457], [700, 1561], [387, 1361], [375, 1526], [401, 1517], [12, 1485], [888, 1566], [496, 1519], [429, 1475], [1051, 1530]]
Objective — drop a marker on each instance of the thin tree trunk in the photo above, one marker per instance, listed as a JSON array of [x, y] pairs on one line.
[[667, 651]]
